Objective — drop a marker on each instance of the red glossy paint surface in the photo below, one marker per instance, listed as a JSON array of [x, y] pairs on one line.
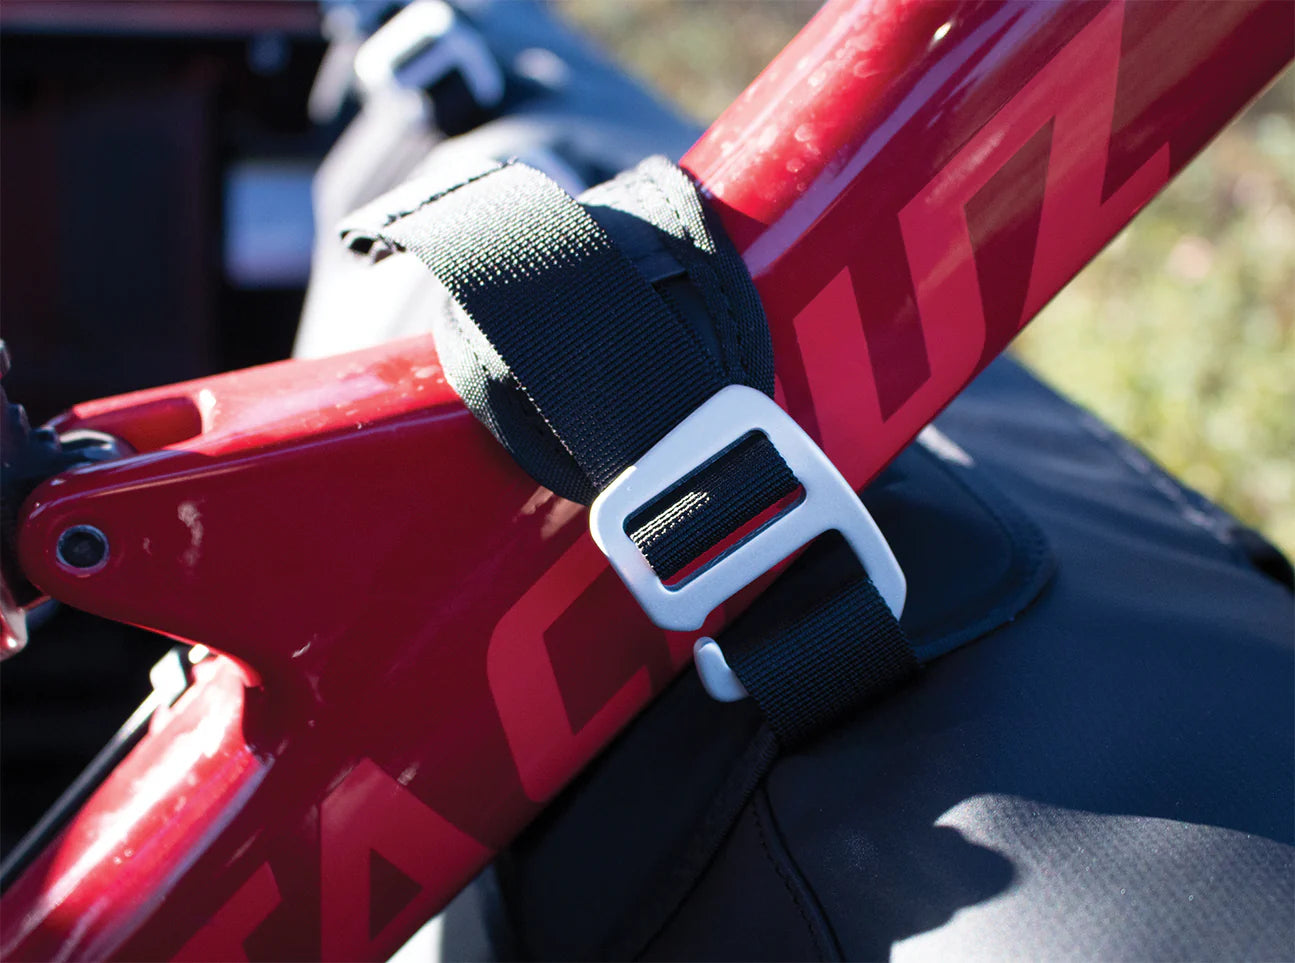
[[435, 644], [910, 182], [159, 810]]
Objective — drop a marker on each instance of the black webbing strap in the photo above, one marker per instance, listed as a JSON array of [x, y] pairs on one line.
[[583, 334], [804, 673], [580, 357], [668, 531], [613, 365]]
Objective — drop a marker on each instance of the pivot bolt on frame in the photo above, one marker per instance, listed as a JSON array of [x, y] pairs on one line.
[[83, 549]]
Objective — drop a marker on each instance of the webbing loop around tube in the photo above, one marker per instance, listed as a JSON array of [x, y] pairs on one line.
[[580, 365]]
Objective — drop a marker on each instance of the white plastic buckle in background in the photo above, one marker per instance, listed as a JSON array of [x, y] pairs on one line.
[[829, 504], [423, 43]]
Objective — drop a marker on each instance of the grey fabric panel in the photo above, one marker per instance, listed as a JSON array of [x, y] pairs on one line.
[[1099, 884], [791, 928]]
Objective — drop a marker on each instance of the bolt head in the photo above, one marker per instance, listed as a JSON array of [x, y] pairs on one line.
[[82, 549]]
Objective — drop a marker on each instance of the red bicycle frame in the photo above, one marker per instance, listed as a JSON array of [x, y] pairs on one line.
[[418, 646]]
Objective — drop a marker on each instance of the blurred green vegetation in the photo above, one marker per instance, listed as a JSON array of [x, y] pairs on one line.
[[1181, 333]]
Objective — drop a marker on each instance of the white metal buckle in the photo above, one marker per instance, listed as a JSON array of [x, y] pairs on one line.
[[829, 504]]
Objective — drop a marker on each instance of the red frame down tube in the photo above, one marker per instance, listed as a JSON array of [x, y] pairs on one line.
[[419, 647]]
